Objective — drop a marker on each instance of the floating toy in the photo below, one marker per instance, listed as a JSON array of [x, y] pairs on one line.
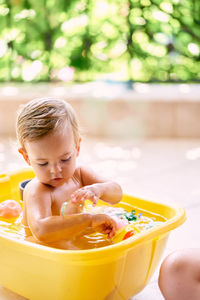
[[129, 234], [125, 233], [69, 208], [10, 209]]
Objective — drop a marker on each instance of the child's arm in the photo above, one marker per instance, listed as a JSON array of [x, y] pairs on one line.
[[48, 228], [95, 187]]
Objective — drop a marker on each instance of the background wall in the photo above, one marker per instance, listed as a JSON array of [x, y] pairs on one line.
[[148, 110]]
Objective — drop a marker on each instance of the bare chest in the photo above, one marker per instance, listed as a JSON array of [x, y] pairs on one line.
[[63, 194]]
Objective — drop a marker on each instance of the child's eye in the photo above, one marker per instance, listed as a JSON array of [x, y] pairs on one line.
[[44, 164], [67, 159]]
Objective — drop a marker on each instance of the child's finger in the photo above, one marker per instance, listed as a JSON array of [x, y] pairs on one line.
[[95, 200], [113, 230], [83, 194], [111, 233], [92, 197], [78, 195]]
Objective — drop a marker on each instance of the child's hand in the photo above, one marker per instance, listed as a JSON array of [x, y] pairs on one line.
[[86, 192], [104, 224]]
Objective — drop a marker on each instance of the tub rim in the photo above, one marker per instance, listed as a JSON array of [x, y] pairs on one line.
[[115, 250]]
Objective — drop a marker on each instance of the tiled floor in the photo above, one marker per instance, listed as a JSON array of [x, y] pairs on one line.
[[159, 170]]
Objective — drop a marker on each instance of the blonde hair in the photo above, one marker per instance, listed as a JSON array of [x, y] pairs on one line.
[[40, 117]]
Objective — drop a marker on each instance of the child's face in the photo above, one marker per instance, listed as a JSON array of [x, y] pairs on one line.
[[53, 157]]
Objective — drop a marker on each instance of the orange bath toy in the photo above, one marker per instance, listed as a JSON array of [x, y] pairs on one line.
[[10, 209]]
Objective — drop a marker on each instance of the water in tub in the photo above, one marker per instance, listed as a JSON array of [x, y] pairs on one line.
[[130, 221]]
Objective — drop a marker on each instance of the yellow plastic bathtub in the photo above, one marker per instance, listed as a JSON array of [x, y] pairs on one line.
[[114, 272]]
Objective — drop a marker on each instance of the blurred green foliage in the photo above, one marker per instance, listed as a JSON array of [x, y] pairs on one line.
[[81, 40]]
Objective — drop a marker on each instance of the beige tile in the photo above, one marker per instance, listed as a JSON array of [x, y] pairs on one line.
[[161, 119], [119, 117], [188, 116]]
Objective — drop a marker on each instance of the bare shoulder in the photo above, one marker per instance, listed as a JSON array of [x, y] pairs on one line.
[[37, 202], [77, 172], [34, 188]]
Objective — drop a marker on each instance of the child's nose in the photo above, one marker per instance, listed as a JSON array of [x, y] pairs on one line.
[[55, 168]]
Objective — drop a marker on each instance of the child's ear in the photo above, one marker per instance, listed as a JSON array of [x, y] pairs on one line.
[[23, 152], [78, 146]]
